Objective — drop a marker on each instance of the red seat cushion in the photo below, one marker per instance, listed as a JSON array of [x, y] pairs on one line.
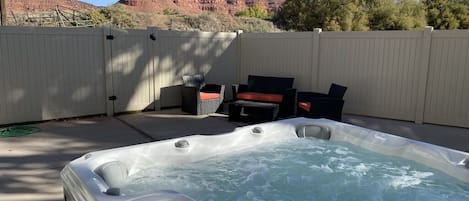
[[275, 98], [305, 106], [205, 95]]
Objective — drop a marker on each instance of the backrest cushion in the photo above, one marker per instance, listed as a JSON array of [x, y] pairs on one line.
[[196, 80], [266, 84], [337, 91]]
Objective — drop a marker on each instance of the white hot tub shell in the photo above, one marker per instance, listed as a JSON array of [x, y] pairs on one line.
[[99, 175]]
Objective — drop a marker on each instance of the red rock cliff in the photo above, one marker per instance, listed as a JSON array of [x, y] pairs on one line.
[[22, 6]]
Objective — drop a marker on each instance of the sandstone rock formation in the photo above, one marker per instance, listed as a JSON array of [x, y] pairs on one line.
[[23, 6]]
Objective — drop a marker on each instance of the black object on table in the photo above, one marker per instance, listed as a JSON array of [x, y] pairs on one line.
[[252, 111]]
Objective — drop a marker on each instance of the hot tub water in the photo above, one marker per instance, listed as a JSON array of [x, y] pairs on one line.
[[301, 169]]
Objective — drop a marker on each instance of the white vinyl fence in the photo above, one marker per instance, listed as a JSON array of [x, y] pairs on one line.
[[278, 54], [447, 97], [49, 73], [129, 70], [382, 63], [420, 76]]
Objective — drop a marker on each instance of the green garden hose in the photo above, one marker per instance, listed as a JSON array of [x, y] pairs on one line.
[[15, 131]]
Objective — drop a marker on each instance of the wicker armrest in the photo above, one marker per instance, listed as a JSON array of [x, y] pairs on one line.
[[212, 88], [303, 95], [237, 88], [190, 93], [323, 107]]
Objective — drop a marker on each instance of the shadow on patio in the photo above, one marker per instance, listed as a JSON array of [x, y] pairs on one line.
[[30, 165]]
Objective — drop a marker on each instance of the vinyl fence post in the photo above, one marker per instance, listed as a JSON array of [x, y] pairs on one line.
[[315, 60], [3, 13], [423, 78], [239, 56]]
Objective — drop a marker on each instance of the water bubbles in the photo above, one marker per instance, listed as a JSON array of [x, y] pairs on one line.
[[359, 171], [411, 178], [342, 151]]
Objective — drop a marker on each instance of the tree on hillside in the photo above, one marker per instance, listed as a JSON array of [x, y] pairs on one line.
[[257, 11], [346, 15], [293, 15], [305, 15], [115, 14], [388, 15], [447, 14]]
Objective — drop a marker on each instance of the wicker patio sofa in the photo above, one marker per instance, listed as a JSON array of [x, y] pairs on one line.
[[278, 90]]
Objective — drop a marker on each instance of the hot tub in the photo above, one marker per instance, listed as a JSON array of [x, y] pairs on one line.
[[106, 175]]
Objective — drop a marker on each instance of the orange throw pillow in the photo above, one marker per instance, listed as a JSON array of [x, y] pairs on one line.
[[305, 106]]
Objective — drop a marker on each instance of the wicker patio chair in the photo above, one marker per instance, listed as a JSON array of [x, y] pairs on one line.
[[199, 98], [318, 105]]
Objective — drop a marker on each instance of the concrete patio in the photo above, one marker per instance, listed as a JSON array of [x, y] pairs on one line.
[[30, 165]]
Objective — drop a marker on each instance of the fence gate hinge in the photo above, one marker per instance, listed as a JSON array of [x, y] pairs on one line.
[[109, 37], [112, 98], [152, 36]]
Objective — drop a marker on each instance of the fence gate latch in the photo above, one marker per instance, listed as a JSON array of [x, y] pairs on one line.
[[109, 37], [112, 98]]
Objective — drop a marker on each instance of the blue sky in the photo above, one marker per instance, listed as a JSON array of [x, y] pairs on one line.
[[100, 2]]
